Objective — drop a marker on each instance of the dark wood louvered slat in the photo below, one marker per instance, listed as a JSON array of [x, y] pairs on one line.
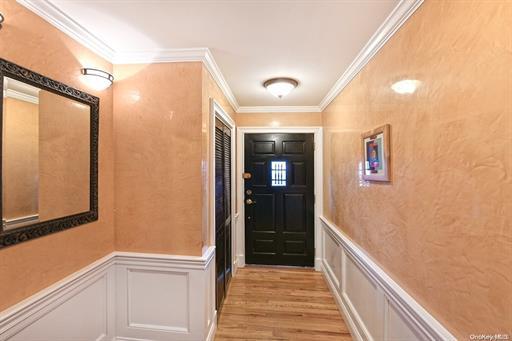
[[222, 210]]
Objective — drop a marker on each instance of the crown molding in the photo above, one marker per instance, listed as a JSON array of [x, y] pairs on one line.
[[217, 75], [201, 54], [63, 22], [393, 22], [278, 109]]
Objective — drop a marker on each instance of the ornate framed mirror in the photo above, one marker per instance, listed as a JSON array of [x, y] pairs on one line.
[[49, 155]]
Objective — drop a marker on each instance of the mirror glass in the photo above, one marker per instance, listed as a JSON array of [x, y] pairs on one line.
[[45, 155]]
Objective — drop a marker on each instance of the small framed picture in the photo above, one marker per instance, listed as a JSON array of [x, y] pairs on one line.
[[376, 154]]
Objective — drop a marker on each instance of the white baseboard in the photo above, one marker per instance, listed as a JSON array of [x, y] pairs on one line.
[[374, 305], [212, 329], [123, 296]]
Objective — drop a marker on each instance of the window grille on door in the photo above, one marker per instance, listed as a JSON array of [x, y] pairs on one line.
[[278, 169]]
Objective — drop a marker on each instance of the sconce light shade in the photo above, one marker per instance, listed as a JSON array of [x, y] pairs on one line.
[[406, 86], [280, 87], [1, 18], [98, 79]]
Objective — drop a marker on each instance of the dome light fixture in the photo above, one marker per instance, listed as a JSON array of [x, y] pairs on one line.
[[406, 86], [280, 87], [98, 79]]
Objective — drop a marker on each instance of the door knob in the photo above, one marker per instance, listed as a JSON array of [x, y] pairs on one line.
[[250, 202]]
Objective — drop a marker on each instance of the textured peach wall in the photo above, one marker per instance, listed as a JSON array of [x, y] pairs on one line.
[[443, 227], [210, 90], [158, 158], [64, 156], [20, 153], [279, 119], [26, 268]]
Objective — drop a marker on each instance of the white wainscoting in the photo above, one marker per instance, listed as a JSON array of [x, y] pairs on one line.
[[374, 305], [123, 296]]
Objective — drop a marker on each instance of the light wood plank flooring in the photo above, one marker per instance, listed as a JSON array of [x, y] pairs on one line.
[[280, 304]]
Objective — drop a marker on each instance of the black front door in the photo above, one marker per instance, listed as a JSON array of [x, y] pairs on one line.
[[279, 199]]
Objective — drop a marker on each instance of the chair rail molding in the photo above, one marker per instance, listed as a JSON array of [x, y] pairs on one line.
[[109, 299], [375, 306]]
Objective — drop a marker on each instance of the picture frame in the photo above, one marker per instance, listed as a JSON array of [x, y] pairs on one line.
[[376, 154]]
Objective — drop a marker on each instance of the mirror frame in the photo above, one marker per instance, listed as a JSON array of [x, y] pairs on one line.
[[21, 234]]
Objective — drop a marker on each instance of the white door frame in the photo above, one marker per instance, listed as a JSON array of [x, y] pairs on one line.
[[318, 155], [216, 111]]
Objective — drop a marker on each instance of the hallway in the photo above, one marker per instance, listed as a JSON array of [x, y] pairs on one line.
[[280, 304]]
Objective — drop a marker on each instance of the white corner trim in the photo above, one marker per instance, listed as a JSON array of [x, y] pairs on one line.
[[278, 109], [423, 321], [393, 22], [49, 12]]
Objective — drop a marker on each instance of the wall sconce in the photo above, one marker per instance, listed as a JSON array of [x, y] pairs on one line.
[[2, 18], [98, 79]]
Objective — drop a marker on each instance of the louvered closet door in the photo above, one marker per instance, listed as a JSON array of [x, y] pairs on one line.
[[222, 209]]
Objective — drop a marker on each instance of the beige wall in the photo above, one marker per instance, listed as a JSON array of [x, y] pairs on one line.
[[20, 155], [279, 119], [64, 156], [443, 227], [158, 158], [26, 268]]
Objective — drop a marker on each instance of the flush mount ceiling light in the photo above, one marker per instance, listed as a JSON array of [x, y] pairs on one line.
[[280, 87], [406, 86], [98, 79]]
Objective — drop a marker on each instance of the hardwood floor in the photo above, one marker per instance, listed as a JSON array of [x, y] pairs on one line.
[[266, 303]]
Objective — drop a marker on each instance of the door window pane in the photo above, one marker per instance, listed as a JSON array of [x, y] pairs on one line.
[[278, 173]]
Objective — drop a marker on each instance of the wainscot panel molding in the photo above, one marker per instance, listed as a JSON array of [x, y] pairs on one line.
[[374, 305], [123, 296]]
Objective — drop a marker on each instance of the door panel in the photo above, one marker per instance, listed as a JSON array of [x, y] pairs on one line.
[[279, 217], [223, 253]]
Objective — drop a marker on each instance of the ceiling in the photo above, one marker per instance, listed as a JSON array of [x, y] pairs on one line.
[[313, 41]]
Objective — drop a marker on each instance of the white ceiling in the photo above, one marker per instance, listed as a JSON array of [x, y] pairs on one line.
[[312, 41]]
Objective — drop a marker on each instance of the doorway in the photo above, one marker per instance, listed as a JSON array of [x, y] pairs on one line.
[[279, 199], [222, 190]]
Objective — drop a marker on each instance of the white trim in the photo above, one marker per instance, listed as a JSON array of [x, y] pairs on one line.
[[19, 316], [216, 111], [66, 24], [49, 12], [420, 319], [393, 22], [278, 109], [22, 315], [201, 54], [318, 155], [217, 75], [21, 96], [213, 328]]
